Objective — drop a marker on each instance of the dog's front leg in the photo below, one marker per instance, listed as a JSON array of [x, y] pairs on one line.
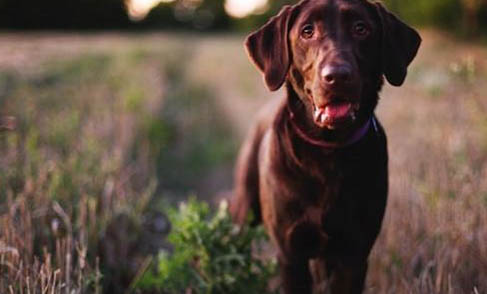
[[295, 275], [303, 241], [347, 279]]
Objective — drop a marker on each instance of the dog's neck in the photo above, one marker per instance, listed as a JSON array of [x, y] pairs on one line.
[[301, 122], [356, 136]]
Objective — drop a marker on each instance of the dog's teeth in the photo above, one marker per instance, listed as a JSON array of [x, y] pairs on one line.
[[319, 115], [352, 115], [323, 118]]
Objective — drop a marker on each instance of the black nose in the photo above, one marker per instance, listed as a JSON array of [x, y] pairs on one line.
[[337, 74]]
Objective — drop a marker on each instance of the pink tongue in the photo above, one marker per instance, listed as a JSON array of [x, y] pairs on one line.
[[337, 110]]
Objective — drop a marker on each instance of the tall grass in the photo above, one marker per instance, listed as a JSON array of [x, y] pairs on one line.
[[65, 178], [434, 235], [94, 134], [104, 133]]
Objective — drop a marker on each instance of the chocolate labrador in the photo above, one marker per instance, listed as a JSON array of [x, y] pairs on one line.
[[314, 167]]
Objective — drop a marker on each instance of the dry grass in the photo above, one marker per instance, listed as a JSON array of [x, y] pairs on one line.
[[69, 199], [434, 235], [99, 117]]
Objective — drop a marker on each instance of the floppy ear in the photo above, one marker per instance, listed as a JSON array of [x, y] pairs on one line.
[[400, 43], [269, 49]]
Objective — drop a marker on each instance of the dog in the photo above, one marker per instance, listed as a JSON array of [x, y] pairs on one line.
[[314, 168]]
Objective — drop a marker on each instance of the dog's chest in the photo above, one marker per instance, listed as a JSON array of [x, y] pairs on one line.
[[329, 189]]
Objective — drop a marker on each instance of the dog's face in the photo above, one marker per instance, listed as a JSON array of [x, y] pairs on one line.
[[334, 54], [334, 46]]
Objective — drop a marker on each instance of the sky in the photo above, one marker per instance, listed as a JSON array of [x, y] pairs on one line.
[[237, 8]]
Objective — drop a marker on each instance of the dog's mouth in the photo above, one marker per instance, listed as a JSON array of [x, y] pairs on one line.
[[335, 114]]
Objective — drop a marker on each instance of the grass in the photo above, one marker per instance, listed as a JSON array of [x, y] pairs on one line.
[[95, 133], [112, 127]]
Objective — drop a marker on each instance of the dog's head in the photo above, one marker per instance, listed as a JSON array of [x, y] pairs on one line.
[[334, 53]]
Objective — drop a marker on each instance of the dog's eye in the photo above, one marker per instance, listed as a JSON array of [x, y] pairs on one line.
[[307, 31], [360, 29]]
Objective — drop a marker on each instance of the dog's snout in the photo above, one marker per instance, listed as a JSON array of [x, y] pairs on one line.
[[336, 74]]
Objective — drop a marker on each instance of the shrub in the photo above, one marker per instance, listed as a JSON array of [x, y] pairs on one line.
[[210, 255]]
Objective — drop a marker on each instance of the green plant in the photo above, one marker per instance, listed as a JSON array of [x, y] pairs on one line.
[[442, 13], [211, 255]]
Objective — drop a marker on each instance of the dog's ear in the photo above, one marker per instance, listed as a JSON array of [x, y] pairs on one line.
[[269, 48], [400, 43]]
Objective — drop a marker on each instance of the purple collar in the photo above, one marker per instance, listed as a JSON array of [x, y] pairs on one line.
[[354, 138]]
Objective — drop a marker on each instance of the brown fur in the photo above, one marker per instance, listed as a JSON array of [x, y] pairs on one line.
[[322, 207]]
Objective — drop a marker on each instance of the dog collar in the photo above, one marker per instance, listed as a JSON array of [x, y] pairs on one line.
[[354, 138]]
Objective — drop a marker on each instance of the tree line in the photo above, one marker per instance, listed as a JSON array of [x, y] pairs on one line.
[[468, 16]]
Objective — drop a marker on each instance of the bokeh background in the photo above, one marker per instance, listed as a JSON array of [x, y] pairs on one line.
[[123, 108]]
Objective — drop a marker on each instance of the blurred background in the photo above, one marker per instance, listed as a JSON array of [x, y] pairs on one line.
[[461, 16], [117, 109]]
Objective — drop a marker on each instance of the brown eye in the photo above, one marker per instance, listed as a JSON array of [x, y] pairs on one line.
[[307, 31], [360, 29]]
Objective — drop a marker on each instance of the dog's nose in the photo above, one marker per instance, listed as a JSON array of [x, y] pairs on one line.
[[336, 74]]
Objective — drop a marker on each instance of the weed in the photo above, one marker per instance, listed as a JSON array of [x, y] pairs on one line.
[[210, 255]]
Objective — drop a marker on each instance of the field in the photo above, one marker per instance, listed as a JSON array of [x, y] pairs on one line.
[[111, 128]]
